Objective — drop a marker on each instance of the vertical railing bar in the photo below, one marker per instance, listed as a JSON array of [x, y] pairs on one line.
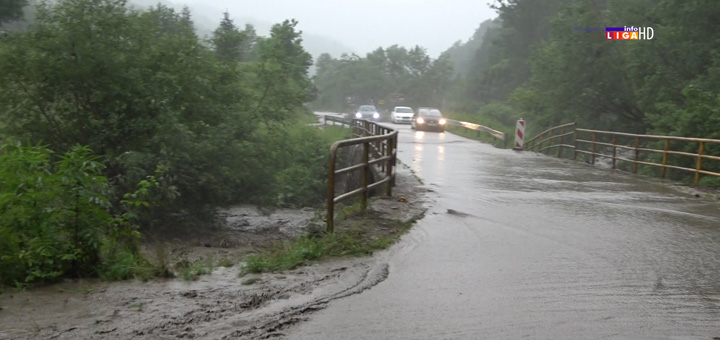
[[637, 154], [701, 150], [560, 143], [389, 166], [395, 148], [366, 147], [331, 189], [664, 158], [614, 157], [594, 148], [575, 143]]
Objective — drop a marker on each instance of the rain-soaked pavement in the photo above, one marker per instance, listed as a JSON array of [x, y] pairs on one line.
[[539, 248]]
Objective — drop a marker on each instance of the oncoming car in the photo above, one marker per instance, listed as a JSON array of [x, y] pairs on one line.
[[368, 112], [428, 118], [402, 114]]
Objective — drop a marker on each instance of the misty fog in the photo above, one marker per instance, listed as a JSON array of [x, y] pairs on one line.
[[343, 26]]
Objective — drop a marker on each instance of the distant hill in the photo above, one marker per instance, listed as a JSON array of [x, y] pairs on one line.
[[207, 18], [463, 54]]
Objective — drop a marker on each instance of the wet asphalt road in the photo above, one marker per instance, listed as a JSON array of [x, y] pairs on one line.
[[540, 248]]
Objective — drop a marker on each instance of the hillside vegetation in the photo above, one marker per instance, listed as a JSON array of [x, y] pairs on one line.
[[533, 63], [117, 122]]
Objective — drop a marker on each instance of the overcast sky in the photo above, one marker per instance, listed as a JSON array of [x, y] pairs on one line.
[[364, 25]]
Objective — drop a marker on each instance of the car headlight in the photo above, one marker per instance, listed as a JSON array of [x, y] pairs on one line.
[[443, 121], [420, 120], [358, 115], [376, 115]]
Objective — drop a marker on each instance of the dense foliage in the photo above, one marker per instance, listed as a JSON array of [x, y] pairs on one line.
[[54, 219], [11, 10], [538, 64], [209, 122], [540, 67], [533, 63], [385, 77]]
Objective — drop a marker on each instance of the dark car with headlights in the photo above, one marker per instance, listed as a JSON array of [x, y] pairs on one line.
[[368, 112], [428, 118]]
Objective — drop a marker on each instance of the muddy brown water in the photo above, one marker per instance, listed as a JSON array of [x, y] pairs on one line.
[[519, 245], [217, 306]]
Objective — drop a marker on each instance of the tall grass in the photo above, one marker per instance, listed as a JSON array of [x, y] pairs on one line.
[[359, 239], [334, 133]]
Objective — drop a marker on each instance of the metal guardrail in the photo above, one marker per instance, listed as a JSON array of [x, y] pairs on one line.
[[501, 136], [594, 142], [379, 149], [552, 138], [334, 119]]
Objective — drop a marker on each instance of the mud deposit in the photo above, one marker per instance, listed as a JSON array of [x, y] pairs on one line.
[[221, 305]]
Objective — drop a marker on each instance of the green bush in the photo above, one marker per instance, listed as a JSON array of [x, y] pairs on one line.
[[303, 167], [54, 218], [143, 90], [709, 182], [52, 215]]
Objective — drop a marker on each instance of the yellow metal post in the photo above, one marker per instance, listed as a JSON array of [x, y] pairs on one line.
[[637, 154], [389, 167], [365, 171], [331, 189], [575, 143], [699, 163], [664, 160]]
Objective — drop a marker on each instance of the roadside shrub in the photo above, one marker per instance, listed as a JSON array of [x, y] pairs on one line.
[[54, 218], [709, 182], [302, 162], [51, 215], [124, 264]]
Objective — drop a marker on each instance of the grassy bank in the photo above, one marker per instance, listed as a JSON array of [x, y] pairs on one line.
[[359, 235], [334, 133]]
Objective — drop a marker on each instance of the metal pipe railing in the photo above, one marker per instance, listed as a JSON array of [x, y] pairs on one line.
[[379, 148], [501, 136], [593, 142], [637, 141], [548, 136]]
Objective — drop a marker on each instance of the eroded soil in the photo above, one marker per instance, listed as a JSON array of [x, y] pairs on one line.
[[221, 305]]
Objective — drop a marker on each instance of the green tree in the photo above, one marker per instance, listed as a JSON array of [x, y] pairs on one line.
[[578, 76], [422, 80], [137, 87], [11, 10], [228, 41], [249, 45], [283, 78], [52, 216]]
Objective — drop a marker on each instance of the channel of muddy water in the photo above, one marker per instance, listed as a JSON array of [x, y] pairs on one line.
[[221, 305]]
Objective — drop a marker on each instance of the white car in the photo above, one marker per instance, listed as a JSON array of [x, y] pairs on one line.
[[402, 114]]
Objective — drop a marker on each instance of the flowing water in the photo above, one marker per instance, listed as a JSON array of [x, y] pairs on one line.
[[520, 245]]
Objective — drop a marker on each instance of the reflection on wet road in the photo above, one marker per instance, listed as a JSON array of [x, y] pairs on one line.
[[544, 249]]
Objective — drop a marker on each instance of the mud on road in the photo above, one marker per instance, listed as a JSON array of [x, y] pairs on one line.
[[221, 305]]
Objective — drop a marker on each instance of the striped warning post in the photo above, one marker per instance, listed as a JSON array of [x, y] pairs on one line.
[[519, 134]]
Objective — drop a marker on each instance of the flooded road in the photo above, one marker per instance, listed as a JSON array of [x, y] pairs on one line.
[[518, 245]]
